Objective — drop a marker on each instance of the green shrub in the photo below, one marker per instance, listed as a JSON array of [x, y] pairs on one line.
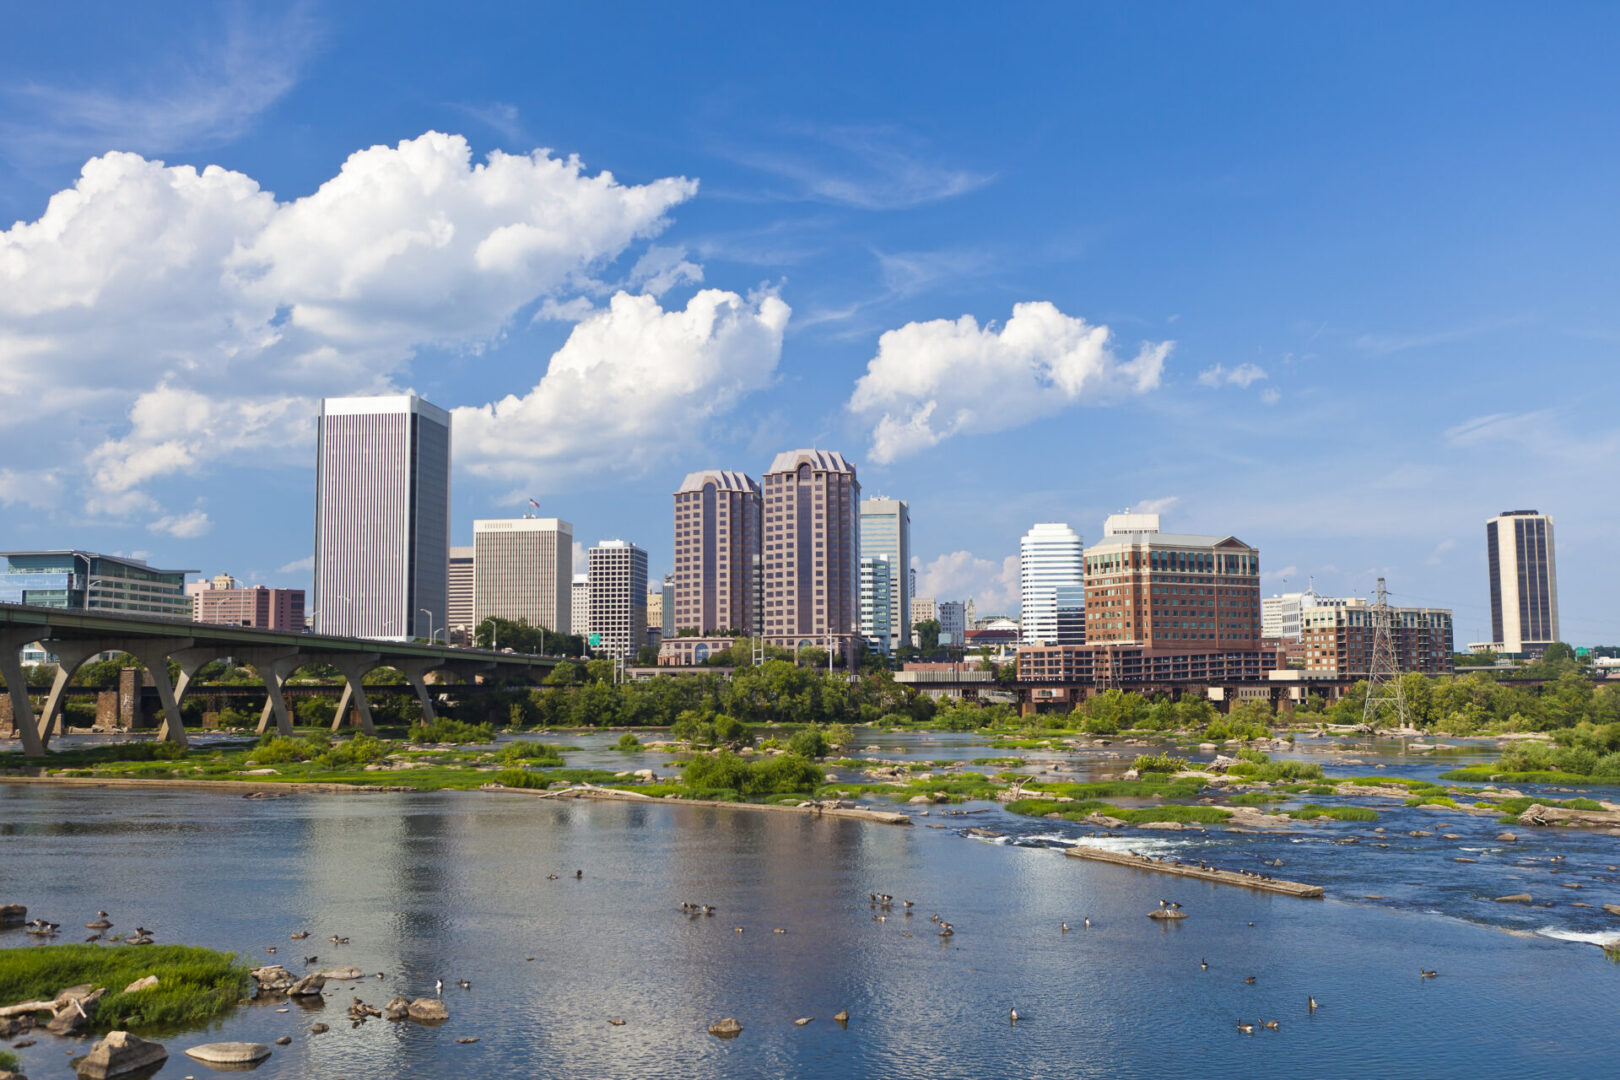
[[628, 741], [533, 752], [360, 750], [1432, 800], [522, 778], [1273, 771], [1338, 813], [445, 730], [1161, 763], [280, 750], [781, 775], [809, 743]]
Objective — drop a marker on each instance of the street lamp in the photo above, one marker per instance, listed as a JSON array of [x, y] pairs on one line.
[[431, 632]]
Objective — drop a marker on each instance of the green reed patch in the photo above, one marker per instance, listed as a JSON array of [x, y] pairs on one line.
[[195, 985]]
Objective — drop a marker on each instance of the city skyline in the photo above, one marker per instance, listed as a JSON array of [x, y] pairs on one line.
[[912, 270]]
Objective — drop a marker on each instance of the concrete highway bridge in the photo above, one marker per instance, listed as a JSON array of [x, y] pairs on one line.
[[75, 636]]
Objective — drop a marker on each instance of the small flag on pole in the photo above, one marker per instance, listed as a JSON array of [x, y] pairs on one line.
[[534, 504]]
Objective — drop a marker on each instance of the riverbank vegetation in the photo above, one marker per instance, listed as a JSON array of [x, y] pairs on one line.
[[194, 984], [1585, 754]]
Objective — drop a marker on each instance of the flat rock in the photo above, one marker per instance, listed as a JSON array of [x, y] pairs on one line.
[[1516, 898], [318, 1029], [141, 984], [396, 1009], [728, 1028], [1612, 909], [1506, 838], [229, 1053], [1167, 913], [13, 914], [428, 1011], [120, 1053], [349, 972]]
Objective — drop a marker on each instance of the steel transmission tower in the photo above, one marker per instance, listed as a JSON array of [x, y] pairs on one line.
[[1384, 674]]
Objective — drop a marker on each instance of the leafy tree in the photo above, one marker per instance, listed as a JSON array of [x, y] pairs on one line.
[[927, 632], [647, 656]]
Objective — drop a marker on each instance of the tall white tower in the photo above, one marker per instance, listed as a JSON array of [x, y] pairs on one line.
[[1524, 581], [1050, 556]]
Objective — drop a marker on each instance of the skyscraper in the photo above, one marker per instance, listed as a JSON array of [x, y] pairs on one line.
[[618, 585], [811, 545], [1051, 555], [524, 569], [886, 531], [717, 552], [580, 616], [382, 517], [460, 610], [1524, 581], [878, 613]]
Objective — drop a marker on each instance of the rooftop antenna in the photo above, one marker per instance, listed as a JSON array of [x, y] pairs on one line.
[[1384, 677]]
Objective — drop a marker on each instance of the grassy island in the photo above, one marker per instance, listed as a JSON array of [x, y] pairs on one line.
[[194, 984]]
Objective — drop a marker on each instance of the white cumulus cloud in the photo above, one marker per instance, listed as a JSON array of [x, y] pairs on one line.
[[630, 382], [181, 316], [932, 380], [962, 575]]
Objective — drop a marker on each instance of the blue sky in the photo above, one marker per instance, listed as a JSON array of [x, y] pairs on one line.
[[1355, 265]]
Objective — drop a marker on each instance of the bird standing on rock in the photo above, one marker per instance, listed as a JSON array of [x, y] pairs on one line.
[[438, 986]]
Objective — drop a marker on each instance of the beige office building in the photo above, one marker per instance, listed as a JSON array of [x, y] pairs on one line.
[[581, 615], [811, 550], [717, 553], [460, 609], [523, 568]]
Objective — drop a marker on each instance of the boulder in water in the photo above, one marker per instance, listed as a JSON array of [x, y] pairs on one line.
[[272, 977], [728, 1028], [428, 1011], [308, 986], [120, 1053], [396, 1009], [1516, 898]]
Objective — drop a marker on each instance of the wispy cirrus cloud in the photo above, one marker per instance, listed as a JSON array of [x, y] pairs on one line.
[[206, 95], [868, 167]]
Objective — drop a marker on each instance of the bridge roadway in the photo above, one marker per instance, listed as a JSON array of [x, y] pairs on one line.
[[75, 636]]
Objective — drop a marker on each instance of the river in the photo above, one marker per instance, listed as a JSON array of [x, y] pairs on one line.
[[457, 886]]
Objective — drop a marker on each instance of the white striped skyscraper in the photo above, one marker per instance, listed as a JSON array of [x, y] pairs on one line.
[[382, 517], [1050, 556]]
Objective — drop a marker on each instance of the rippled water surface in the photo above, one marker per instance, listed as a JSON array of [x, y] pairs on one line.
[[455, 886]]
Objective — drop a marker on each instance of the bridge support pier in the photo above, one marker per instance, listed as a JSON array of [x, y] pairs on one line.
[[22, 710], [70, 656], [355, 667], [154, 653], [415, 672], [274, 665]]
